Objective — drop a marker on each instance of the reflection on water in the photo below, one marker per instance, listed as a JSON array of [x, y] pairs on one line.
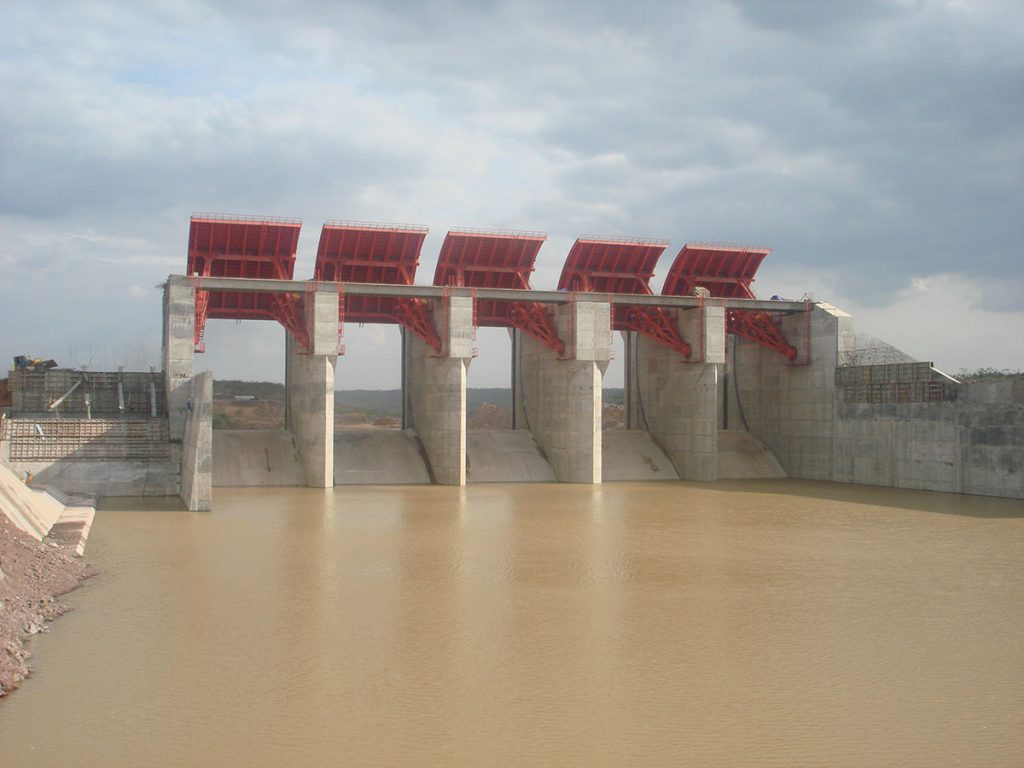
[[777, 623]]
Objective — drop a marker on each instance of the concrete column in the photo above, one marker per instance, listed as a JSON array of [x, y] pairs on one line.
[[631, 403], [678, 398], [178, 350], [560, 398], [435, 389], [309, 389], [197, 448], [790, 406]]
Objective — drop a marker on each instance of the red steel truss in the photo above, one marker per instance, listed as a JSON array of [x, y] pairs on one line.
[[488, 259], [222, 245], [611, 265], [727, 272], [364, 252]]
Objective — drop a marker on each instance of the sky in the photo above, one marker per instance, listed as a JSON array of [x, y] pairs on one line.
[[876, 146]]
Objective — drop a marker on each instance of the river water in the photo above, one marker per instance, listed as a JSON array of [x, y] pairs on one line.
[[777, 623]]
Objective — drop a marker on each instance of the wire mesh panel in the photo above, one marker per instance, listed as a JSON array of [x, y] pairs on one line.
[[87, 439]]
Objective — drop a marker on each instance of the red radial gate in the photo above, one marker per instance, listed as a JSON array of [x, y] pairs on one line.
[[611, 265], [362, 252], [727, 272], [474, 258], [242, 246]]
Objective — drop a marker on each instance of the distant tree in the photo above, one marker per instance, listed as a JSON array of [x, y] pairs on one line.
[[986, 374]]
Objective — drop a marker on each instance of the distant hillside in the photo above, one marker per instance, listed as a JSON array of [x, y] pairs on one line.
[[374, 402], [264, 390], [388, 402]]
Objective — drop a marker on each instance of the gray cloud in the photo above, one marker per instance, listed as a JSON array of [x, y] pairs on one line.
[[874, 142]]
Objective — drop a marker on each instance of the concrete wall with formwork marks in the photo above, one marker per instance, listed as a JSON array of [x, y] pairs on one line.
[[991, 426], [911, 426], [559, 398], [178, 350], [435, 388], [197, 446], [677, 397], [790, 405]]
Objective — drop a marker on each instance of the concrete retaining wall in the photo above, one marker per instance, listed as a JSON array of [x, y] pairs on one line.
[[971, 444], [110, 478], [32, 511], [991, 421]]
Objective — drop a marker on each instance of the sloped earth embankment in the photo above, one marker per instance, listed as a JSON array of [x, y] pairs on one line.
[[33, 575]]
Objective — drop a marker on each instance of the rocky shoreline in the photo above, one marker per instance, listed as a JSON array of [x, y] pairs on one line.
[[33, 575]]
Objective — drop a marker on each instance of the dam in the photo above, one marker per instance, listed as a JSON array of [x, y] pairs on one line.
[[719, 384]]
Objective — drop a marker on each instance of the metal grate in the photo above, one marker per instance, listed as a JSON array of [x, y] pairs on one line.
[[87, 439]]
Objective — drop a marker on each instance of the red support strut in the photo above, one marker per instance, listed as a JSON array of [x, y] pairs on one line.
[[366, 252], [498, 259], [611, 265], [727, 272]]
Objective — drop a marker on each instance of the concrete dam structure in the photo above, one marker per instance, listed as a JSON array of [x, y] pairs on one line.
[[719, 384]]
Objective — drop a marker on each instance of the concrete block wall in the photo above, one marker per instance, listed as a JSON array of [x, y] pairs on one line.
[[178, 350], [677, 399], [901, 445], [197, 446], [790, 406], [560, 398], [971, 444], [991, 423], [435, 389]]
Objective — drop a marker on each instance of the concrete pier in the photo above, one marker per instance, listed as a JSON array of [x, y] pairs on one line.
[[435, 388], [790, 405], [559, 398], [197, 445], [677, 398], [178, 350], [309, 389]]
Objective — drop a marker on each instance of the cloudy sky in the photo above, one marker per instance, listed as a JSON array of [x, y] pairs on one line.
[[876, 145]]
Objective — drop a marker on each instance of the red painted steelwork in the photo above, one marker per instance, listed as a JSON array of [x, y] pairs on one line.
[[727, 272], [487, 259], [609, 265], [363, 252], [241, 246]]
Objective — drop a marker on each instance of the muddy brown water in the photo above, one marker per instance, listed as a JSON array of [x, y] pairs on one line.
[[772, 623]]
